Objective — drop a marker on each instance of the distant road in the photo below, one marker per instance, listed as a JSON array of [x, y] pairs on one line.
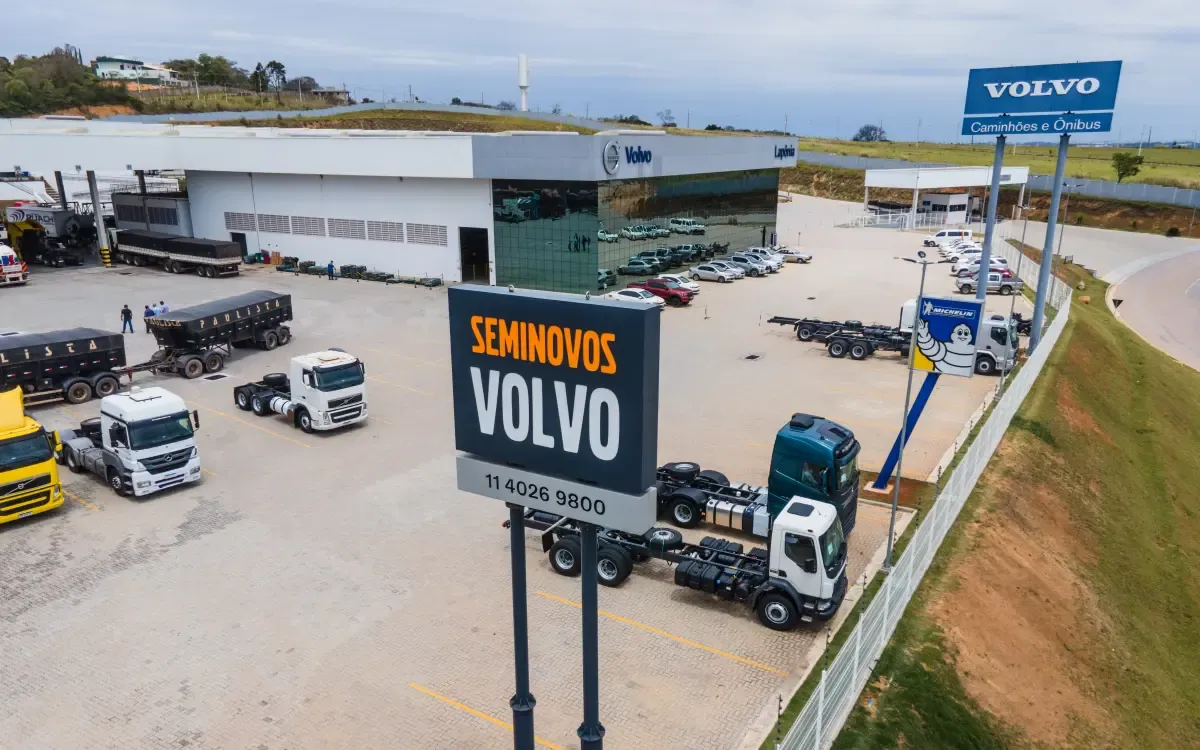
[[1161, 302]]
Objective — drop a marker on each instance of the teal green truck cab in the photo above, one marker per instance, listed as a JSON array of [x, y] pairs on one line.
[[815, 458]]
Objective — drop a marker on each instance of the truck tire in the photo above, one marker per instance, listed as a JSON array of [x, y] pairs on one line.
[[613, 565], [675, 302], [72, 460], [191, 367], [682, 471], [565, 556], [663, 539], [804, 332], [214, 362], [777, 611], [859, 350], [115, 483], [965, 289], [241, 397], [837, 348], [270, 340], [684, 512], [304, 420], [1006, 290], [985, 365], [258, 404], [77, 391], [283, 334], [105, 385], [715, 477], [275, 379]]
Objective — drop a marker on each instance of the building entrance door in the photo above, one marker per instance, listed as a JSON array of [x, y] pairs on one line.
[[473, 250], [240, 238]]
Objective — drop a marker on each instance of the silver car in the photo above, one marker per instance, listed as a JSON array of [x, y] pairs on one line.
[[722, 265], [774, 262], [748, 263], [996, 282], [710, 272]]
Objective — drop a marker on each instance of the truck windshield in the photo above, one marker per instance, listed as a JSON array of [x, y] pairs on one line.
[[27, 450], [833, 548], [847, 473], [337, 378], [151, 433]]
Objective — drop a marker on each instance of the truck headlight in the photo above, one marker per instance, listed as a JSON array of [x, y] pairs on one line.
[[143, 484], [195, 452], [196, 470]]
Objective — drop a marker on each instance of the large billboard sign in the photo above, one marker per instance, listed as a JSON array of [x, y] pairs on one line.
[[557, 385], [1042, 99], [947, 335]]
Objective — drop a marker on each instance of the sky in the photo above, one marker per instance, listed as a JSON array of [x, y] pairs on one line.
[[823, 67]]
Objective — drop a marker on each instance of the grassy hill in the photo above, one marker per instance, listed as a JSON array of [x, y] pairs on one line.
[[400, 119], [1175, 167], [1064, 609]]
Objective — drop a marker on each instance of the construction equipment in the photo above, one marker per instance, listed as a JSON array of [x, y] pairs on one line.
[[50, 235]]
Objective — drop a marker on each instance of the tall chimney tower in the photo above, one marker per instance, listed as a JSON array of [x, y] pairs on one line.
[[523, 80]]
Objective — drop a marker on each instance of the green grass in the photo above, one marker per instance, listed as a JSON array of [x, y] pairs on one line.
[[401, 119], [181, 101], [1175, 167]]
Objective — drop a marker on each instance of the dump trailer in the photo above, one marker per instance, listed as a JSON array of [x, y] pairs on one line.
[[800, 577], [197, 340], [211, 258], [325, 391], [29, 481], [72, 365]]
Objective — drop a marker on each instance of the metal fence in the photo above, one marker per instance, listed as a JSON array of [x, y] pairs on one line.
[[841, 683]]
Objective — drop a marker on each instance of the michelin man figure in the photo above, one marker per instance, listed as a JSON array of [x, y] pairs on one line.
[[953, 357]]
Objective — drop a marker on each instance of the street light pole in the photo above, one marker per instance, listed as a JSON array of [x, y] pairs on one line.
[[1012, 304], [1066, 216]]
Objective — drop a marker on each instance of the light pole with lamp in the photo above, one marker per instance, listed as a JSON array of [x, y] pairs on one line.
[[1066, 215], [1012, 304]]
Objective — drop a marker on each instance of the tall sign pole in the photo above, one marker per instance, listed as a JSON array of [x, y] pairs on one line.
[[522, 702], [1043, 285], [985, 257]]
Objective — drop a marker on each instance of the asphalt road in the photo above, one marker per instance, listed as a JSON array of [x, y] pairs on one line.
[[1162, 304]]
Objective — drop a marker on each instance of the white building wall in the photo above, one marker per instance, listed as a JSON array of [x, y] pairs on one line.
[[451, 203]]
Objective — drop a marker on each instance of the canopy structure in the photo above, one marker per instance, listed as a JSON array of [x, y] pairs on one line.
[[940, 178]]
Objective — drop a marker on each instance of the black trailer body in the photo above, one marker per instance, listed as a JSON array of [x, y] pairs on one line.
[[72, 364], [198, 339], [177, 254], [842, 337]]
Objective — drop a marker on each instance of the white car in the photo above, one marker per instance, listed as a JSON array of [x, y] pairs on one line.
[[966, 252], [712, 272], [636, 295], [686, 226], [682, 281], [654, 230], [791, 255], [603, 236], [946, 236], [771, 261], [972, 264], [633, 233], [734, 271]]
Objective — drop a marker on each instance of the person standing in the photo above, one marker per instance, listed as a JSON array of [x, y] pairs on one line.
[[147, 314], [157, 310], [126, 319], [329, 270], [162, 307]]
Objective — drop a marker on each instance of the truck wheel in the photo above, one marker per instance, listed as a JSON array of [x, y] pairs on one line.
[[663, 539], [191, 367], [275, 379], [565, 556], [675, 302], [77, 391], [685, 513], [715, 477], [965, 289], [777, 612], [259, 405], [837, 348], [1006, 290], [753, 272], [106, 385], [213, 362], [804, 333], [283, 334], [168, 266], [613, 565], [116, 483], [241, 397], [73, 461], [270, 340], [682, 471], [858, 351], [984, 366], [304, 421]]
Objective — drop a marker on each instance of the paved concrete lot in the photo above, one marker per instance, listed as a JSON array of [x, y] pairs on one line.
[[335, 590]]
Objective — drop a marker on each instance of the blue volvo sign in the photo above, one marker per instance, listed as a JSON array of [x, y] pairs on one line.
[[1046, 89], [1089, 122]]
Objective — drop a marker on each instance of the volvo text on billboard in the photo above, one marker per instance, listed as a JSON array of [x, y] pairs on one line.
[[556, 384], [1050, 89]]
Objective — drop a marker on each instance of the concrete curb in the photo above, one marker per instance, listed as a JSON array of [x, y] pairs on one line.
[[1119, 275]]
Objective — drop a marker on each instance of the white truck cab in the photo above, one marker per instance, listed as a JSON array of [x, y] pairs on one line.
[[143, 442], [13, 270], [807, 553], [331, 386]]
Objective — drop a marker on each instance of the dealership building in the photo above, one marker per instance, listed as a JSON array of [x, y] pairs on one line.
[[532, 209]]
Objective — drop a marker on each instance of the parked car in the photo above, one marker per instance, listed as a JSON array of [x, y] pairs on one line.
[[748, 263], [774, 262], [603, 236], [682, 281], [947, 235], [968, 252], [689, 253], [650, 259], [791, 254], [996, 282], [971, 262], [633, 233], [735, 272], [654, 230], [686, 226], [636, 295], [1002, 270], [605, 278], [673, 294], [638, 267], [711, 272], [666, 259]]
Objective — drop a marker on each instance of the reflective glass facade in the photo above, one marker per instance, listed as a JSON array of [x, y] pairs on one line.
[[558, 235]]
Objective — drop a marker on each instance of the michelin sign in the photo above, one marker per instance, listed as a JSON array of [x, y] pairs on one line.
[[947, 333]]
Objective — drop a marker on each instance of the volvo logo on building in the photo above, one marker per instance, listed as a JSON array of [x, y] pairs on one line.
[[611, 157], [785, 152], [637, 155]]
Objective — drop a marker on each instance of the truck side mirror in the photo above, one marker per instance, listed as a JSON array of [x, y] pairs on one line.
[[810, 565], [196, 418], [114, 436]]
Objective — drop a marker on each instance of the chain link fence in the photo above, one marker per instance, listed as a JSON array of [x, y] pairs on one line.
[[843, 681]]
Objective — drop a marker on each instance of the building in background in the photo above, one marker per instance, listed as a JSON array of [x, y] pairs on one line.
[[137, 71]]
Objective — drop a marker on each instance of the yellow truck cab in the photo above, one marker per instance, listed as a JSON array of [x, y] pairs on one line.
[[29, 482]]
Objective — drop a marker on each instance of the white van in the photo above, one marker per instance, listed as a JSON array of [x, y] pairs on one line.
[[947, 235]]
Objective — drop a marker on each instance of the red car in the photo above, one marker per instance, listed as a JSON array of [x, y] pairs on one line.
[[673, 294]]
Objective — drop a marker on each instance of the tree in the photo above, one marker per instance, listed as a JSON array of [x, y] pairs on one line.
[[667, 119], [302, 83], [870, 134], [456, 100], [47, 83], [258, 79], [507, 106], [276, 75], [556, 110], [1127, 164]]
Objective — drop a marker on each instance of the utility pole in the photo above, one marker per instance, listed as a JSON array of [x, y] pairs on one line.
[[918, 131]]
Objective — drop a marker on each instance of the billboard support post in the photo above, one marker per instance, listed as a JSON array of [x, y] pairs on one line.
[[522, 701], [985, 257], [591, 731], [1043, 286]]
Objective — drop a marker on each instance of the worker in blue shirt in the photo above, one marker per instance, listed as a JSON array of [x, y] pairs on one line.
[[329, 268]]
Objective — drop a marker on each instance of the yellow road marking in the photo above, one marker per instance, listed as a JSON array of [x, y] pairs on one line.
[[206, 471], [251, 424], [398, 385], [479, 714], [82, 502], [436, 363], [665, 634], [71, 411], [380, 419]]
